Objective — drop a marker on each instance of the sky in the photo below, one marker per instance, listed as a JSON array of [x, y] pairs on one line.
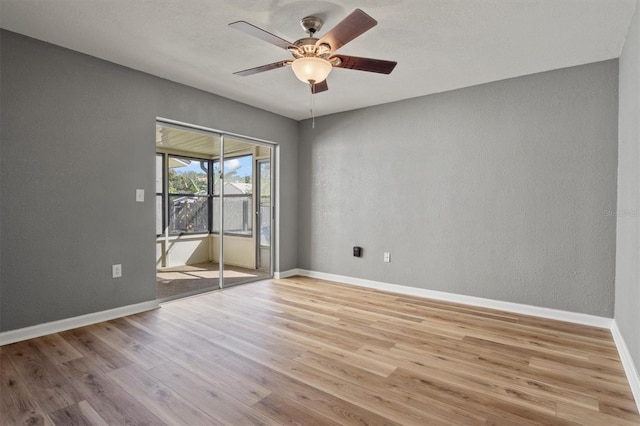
[[241, 164]]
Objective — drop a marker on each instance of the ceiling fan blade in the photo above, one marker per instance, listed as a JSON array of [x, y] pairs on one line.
[[319, 87], [365, 64], [349, 28], [254, 31], [262, 68]]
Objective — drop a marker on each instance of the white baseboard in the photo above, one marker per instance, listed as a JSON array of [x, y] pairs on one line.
[[286, 274], [556, 314], [627, 362], [39, 330]]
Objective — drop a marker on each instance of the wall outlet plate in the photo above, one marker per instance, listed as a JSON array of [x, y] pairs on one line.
[[116, 271], [140, 195]]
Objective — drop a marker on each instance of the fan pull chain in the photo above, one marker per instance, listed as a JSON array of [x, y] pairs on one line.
[[313, 117]]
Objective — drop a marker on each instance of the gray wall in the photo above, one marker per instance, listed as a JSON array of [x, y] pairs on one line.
[[78, 137], [497, 191], [627, 287], [1, 210]]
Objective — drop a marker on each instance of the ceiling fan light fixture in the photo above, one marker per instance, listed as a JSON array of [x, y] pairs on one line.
[[311, 69]]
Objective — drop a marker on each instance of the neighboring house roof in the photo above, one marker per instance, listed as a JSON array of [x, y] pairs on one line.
[[231, 188]]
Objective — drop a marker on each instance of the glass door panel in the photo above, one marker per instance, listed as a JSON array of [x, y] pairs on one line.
[[263, 246], [242, 227], [186, 263]]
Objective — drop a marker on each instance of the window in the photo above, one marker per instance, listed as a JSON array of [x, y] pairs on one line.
[[238, 195], [188, 194], [190, 184]]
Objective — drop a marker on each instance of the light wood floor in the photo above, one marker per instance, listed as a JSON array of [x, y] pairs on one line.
[[310, 352]]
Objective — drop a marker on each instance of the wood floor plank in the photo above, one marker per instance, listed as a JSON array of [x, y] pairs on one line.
[[364, 337], [318, 317], [327, 404], [449, 391], [105, 357], [257, 336], [468, 375], [127, 346], [473, 318], [193, 336], [619, 409], [91, 414], [592, 371], [284, 329], [246, 391], [110, 401], [159, 397], [70, 415], [77, 414], [353, 358], [518, 381], [56, 349], [211, 399], [358, 376], [285, 411], [46, 385], [137, 334], [557, 377], [308, 351], [17, 405], [569, 412], [340, 368]]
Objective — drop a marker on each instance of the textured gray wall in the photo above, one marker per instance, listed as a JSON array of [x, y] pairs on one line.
[[1, 209], [496, 191], [78, 137], [627, 312]]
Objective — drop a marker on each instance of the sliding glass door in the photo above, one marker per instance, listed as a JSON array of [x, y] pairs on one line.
[[241, 210], [214, 214]]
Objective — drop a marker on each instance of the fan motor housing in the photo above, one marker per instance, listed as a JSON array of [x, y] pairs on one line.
[[307, 47]]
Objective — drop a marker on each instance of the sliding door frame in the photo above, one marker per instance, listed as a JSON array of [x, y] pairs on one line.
[[274, 167]]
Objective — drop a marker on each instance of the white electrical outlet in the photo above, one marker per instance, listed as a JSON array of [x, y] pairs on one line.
[[387, 256], [116, 271], [140, 195]]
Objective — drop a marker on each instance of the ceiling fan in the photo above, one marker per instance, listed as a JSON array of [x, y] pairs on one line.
[[313, 58]]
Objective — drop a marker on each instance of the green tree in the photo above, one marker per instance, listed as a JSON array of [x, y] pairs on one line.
[[188, 182]]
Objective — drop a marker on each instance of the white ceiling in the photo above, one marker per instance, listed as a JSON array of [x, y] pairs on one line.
[[439, 44]]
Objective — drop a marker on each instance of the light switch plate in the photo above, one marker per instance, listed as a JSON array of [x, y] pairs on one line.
[[140, 195]]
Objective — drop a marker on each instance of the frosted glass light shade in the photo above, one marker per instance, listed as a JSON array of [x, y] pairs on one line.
[[310, 69]]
